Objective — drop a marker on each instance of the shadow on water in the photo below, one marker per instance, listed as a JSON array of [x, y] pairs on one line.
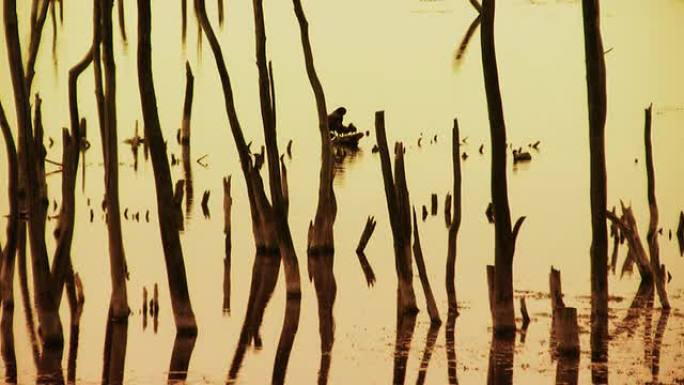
[[180, 358], [264, 278], [501, 353], [114, 356], [321, 272]]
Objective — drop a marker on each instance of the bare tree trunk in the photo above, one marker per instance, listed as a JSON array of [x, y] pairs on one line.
[[652, 236], [267, 100], [505, 237], [50, 325], [264, 235], [117, 255], [596, 92], [396, 195], [122, 19], [8, 255], [173, 252], [455, 220], [321, 237], [422, 273]]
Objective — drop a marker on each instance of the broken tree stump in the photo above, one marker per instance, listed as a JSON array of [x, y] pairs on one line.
[[555, 290], [567, 332], [524, 313], [433, 204], [367, 233]]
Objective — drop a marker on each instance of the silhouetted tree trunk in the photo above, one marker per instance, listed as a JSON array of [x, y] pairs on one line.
[[321, 237], [455, 222], [264, 234], [396, 195], [652, 236], [503, 314], [268, 116], [173, 252], [596, 93], [117, 256], [50, 325]]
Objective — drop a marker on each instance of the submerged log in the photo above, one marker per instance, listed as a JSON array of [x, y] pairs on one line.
[[422, 273], [505, 235], [173, 253], [396, 196]]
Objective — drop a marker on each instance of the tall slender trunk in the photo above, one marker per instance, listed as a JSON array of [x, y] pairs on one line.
[[504, 249], [596, 98], [117, 255], [173, 252], [455, 220]]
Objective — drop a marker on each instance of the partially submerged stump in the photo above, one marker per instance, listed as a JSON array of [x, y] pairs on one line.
[[567, 332]]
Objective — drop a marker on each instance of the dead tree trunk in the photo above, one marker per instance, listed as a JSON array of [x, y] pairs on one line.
[[122, 19], [321, 238], [173, 252], [652, 236], [227, 205], [117, 255], [454, 221], [50, 325], [268, 115], [396, 195], [422, 273], [8, 255], [264, 234], [505, 236], [596, 92]]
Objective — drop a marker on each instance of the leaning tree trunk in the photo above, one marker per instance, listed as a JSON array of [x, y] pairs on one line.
[[264, 232], [117, 255], [173, 252], [321, 238], [596, 93], [503, 313]]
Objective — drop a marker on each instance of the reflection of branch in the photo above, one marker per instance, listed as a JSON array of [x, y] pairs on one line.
[[180, 357], [450, 348], [290, 326], [406, 324], [657, 343], [460, 52]]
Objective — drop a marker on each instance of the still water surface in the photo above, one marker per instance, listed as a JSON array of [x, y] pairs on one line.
[[396, 56]]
